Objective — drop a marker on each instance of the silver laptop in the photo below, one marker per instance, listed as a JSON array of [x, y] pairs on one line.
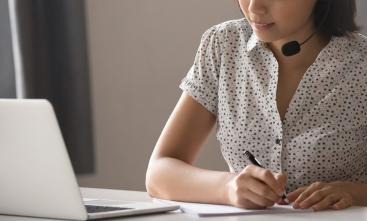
[[36, 176]]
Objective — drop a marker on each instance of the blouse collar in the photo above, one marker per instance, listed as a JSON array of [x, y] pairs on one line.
[[328, 50]]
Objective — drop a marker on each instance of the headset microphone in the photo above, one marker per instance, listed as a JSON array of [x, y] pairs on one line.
[[294, 47]]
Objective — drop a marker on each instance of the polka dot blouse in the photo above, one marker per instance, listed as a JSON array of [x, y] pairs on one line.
[[324, 133]]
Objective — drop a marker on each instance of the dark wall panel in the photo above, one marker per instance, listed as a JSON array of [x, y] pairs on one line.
[[53, 42], [7, 79]]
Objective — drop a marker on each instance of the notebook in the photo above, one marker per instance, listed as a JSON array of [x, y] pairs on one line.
[[206, 210]]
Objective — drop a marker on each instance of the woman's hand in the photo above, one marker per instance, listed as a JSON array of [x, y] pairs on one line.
[[321, 196], [255, 188]]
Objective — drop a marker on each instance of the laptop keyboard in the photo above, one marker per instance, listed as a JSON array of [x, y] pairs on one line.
[[100, 209]]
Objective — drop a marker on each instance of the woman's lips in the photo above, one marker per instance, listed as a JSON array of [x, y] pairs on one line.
[[261, 26]]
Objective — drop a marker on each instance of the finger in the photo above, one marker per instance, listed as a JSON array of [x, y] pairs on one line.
[[282, 202], [257, 199], [267, 177], [326, 202], [342, 204], [315, 198], [281, 179], [247, 204], [294, 195], [305, 194], [262, 190]]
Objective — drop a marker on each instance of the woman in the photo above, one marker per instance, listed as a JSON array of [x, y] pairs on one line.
[[302, 113]]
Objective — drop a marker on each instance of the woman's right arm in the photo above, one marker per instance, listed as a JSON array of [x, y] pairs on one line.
[[170, 173]]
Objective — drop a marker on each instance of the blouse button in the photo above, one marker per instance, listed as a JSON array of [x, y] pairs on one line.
[[278, 141]]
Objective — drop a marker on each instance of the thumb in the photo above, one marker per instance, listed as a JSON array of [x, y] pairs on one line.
[[282, 179]]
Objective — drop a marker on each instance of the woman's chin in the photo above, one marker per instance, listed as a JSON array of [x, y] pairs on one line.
[[264, 37]]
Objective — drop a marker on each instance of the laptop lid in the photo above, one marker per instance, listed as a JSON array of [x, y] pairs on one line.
[[37, 178]]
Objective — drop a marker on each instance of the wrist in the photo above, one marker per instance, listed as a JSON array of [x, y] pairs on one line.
[[358, 192], [226, 187]]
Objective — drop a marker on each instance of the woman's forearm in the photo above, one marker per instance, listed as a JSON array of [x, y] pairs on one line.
[[172, 179]]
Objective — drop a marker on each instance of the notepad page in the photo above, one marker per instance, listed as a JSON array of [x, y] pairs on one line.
[[201, 209]]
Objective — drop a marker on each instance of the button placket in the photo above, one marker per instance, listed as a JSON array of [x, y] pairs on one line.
[[278, 149]]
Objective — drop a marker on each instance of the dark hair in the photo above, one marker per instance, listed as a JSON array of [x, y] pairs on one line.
[[340, 18]]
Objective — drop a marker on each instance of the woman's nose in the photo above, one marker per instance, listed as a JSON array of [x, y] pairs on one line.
[[257, 7]]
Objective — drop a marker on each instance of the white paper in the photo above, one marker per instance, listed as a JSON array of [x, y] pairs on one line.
[[201, 209]]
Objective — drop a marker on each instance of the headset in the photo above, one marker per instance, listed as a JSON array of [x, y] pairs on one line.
[[294, 47]]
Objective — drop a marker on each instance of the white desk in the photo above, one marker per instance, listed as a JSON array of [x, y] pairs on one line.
[[351, 214]]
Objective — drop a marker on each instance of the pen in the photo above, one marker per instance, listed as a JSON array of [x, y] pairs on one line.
[[255, 162]]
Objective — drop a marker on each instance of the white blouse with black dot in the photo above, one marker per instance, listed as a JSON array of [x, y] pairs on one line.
[[324, 133]]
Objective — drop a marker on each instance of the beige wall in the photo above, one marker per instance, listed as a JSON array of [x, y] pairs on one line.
[[139, 52], [362, 15]]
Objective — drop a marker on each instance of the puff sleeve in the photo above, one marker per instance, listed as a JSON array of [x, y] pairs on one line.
[[201, 81]]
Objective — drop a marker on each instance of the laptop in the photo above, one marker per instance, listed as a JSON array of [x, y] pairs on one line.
[[37, 178]]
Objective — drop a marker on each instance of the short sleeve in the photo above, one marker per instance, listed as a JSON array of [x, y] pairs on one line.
[[201, 82]]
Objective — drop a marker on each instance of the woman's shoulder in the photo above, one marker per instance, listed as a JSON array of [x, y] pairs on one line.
[[358, 47], [238, 28], [358, 43], [350, 48]]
